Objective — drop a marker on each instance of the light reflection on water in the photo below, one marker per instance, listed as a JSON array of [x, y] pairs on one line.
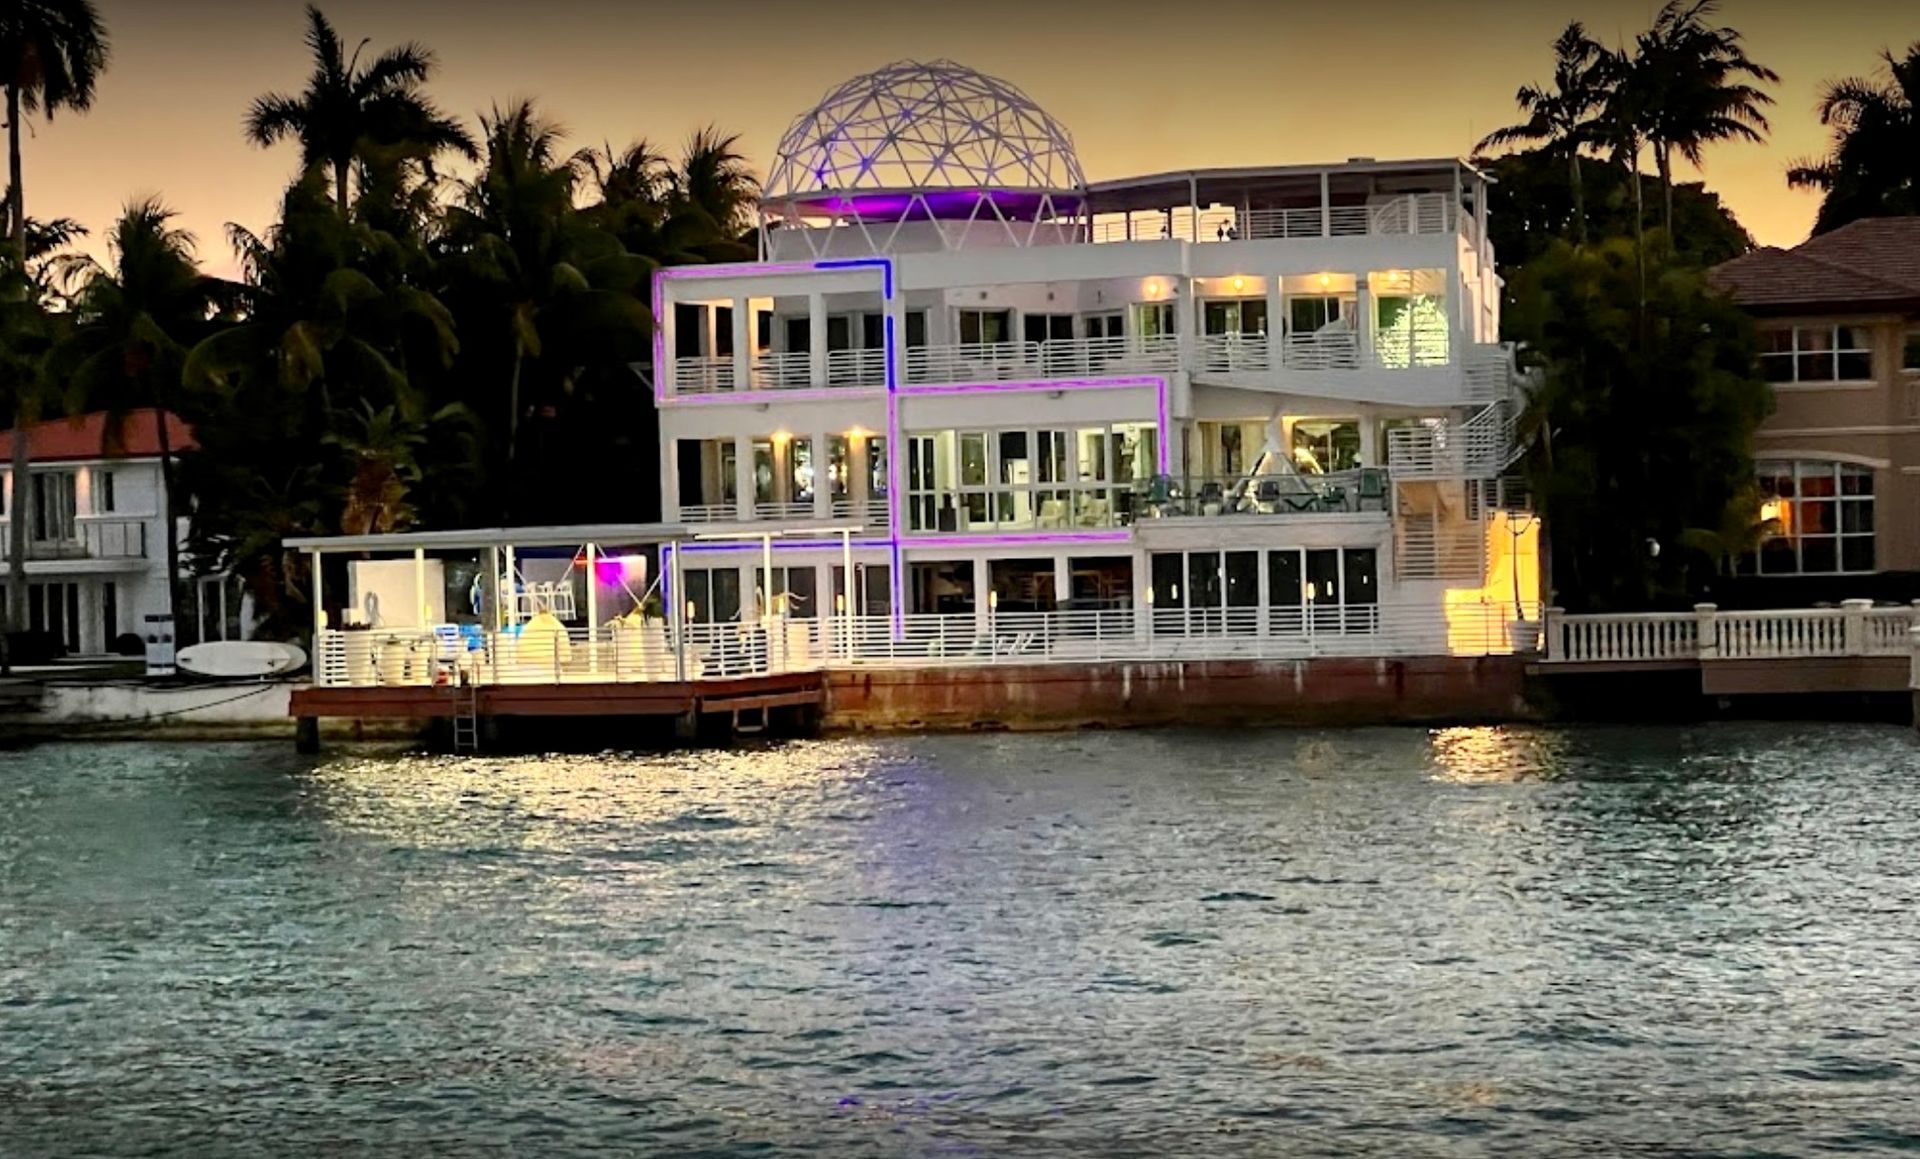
[[1385, 941]]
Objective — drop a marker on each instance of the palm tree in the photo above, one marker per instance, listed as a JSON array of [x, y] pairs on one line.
[[1564, 117], [52, 53], [349, 113], [134, 321], [1873, 166], [1693, 78], [713, 198]]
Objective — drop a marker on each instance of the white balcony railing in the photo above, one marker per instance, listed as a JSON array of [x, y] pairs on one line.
[[93, 538], [792, 371], [1235, 353], [703, 375], [1331, 348], [856, 368], [1410, 214], [1479, 448], [1065, 358], [1856, 628]]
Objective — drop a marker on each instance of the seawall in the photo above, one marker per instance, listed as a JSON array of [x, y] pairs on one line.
[[1423, 690]]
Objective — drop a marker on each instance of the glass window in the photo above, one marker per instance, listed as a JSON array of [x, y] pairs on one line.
[[1323, 446], [1816, 354], [763, 470], [1243, 579], [877, 466], [1168, 591], [973, 459], [1818, 517], [712, 595], [800, 470], [1234, 316], [1152, 318], [837, 466], [985, 326], [1306, 315], [102, 490], [1910, 360]]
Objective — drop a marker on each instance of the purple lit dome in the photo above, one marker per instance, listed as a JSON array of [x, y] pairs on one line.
[[925, 140]]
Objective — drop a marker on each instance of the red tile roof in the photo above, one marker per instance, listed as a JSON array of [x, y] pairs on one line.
[[84, 437], [1870, 263]]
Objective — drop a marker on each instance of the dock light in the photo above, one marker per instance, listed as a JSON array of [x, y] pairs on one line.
[[993, 601], [693, 611]]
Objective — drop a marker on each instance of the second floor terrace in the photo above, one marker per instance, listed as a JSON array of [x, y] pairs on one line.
[[1419, 334]]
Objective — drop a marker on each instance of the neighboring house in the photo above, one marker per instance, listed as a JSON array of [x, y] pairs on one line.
[[96, 547], [1839, 459]]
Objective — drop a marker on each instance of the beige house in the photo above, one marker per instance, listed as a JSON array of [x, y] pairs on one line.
[[1839, 321]]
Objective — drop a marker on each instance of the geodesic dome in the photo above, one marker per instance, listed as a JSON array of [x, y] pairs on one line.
[[924, 140]]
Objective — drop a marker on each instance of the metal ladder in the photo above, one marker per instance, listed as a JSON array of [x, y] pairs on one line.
[[466, 715]]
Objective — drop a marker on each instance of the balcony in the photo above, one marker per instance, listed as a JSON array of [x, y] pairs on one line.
[[1412, 215], [1022, 361], [93, 539], [1281, 493], [871, 512]]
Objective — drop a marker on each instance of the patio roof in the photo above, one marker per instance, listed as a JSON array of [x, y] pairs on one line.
[[1274, 184], [479, 538]]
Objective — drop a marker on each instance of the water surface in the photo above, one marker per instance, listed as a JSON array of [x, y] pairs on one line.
[[1657, 941]]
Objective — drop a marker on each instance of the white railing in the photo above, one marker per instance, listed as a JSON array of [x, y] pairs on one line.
[[1856, 628], [93, 538], [1413, 213], [783, 510], [1064, 358], [1175, 634], [856, 368], [789, 371], [450, 656], [1334, 348], [1489, 372], [703, 375], [1479, 448], [709, 512], [1232, 353], [609, 654], [1402, 349]]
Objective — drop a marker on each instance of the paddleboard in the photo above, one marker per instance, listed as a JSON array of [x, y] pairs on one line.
[[235, 658]]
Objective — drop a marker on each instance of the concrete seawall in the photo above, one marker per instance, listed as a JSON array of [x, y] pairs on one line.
[[1127, 695]]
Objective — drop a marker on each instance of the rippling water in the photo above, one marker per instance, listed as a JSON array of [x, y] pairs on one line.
[[1696, 941]]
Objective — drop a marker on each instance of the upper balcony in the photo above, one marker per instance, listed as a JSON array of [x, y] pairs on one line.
[[86, 538], [1401, 215]]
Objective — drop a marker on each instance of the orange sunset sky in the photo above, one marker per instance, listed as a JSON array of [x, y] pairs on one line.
[[1143, 87]]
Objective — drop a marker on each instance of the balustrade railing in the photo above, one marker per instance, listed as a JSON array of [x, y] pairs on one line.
[[654, 651], [1856, 628]]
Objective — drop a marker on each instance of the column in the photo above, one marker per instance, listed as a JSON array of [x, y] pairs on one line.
[[817, 339], [1363, 317], [742, 344], [1370, 439], [667, 331], [859, 463], [669, 466], [1276, 325], [743, 476], [822, 489], [1062, 579], [982, 594]]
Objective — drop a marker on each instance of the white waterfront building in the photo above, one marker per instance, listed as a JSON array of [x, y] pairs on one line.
[[1263, 403], [97, 536]]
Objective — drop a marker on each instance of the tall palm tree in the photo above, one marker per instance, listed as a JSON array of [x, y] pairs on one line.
[[1698, 87], [52, 53], [715, 193], [134, 321], [1564, 117], [349, 112], [1872, 168]]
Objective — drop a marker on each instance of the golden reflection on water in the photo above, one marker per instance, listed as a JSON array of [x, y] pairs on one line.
[[546, 803], [1495, 755]]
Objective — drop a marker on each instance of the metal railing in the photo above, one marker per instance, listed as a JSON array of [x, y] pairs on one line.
[[1479, 448], [788, 371], [1409, 214], [1060, 358], [856, 368], [608, 654], [93, 538], [1856, 628], [451, 655], [1334, 348], [1286, 493], [1235, 353]]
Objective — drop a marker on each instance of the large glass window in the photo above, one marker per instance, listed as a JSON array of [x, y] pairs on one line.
[[1153, 318], [1027, 479], [800, 470], [872, 590], [1323, 590], [1305, 315], [711, 595], [1910, 360], [1324, 446], [1234, 316], [985, 326], [56, 504], [1816, 354], [1820, 516]]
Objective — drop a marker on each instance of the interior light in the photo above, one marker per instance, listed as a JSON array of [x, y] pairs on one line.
[[1239, 283], [1326, 280]]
